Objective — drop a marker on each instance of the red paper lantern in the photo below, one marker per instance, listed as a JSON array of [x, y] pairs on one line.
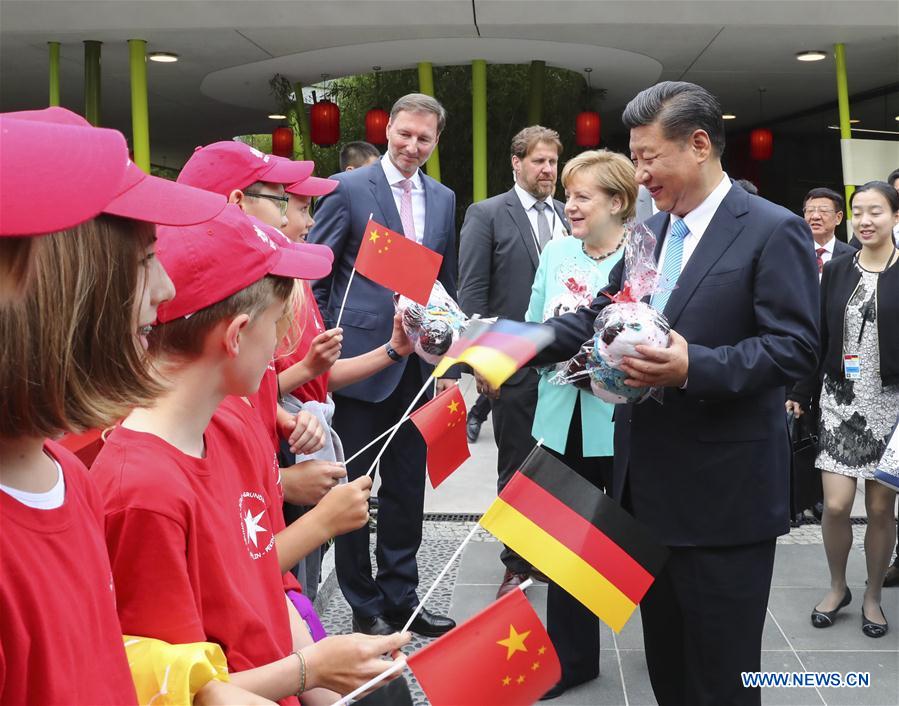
[[761, 144], [586, 131], [282, 142], [324, 119], [376, 126]]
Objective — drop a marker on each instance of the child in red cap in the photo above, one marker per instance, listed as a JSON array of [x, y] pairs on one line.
[[71, 362], [194, 472]]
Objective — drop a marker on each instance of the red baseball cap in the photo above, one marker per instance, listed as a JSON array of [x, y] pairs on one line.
[[136, 195], [322, 252], [312, 186], [208, 262], [225, 166], [55, 174]]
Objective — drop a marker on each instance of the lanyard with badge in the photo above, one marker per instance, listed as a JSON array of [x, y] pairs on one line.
[[852, 362]]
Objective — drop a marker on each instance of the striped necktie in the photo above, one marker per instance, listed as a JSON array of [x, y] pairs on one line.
[[674, 255]]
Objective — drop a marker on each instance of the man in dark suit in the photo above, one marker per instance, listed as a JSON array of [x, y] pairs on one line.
[[822, 209], [498, 256], [707, 470], [395, 192]]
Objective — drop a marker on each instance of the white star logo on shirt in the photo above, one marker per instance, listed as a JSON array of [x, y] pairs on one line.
[[251, 522]]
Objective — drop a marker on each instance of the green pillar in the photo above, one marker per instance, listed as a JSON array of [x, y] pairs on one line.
[[140, 113], [426, 86], [843, 104], [479, 128], [535, 102], [92, 81], [54, 72], [301, 129]]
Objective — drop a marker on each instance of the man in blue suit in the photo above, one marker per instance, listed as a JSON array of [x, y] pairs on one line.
[[707, 470], [396, 193]]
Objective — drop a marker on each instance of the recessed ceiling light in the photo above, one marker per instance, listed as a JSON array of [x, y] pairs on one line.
[[854, 121], [897, 117], [163, 57], [816, 55], [277, 116], [728, 116]]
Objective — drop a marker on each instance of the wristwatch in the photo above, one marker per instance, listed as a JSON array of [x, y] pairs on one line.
[[392, 354]]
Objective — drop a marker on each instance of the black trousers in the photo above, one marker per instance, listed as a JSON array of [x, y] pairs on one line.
[[400, 501], [702, 624], [573, 628], [480, 410], [513, 416]]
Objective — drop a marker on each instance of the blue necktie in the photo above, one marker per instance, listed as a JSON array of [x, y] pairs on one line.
[[672, 267]]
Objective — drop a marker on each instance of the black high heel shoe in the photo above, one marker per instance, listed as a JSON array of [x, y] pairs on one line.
[[824, 618], [872, 629]]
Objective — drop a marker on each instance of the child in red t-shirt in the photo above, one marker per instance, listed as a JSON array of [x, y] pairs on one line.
[[71, 362], [190, 497]]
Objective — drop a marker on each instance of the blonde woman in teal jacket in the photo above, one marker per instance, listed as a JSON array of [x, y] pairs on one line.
[[601, 193]]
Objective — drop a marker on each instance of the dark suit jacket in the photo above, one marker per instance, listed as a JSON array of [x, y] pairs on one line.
[[340, 220], [710, 466], [498, 257], [841, 248]]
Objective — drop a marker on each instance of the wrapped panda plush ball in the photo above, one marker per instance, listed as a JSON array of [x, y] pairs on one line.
[[622, 325], [435, 327]]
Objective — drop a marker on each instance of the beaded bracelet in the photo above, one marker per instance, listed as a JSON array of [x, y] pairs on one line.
[[302, 659]]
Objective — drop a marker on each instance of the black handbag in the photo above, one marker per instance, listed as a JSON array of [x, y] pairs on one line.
[[805, 480]]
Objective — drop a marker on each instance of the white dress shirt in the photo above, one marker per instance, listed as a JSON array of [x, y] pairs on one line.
[[827, 255], [697, 221], [556, 226], [394, 177]]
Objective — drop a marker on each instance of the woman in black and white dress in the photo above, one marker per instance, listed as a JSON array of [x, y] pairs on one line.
[[857, 392]]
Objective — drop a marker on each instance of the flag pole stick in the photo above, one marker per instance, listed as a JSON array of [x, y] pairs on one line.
[[346, 291], [372, 443], [395, 667], [424, 388], [421, 603]]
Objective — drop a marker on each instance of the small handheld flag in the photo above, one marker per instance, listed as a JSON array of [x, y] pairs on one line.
[[442, 424], [496, 350], [402, 265], [500, 657], [576, 535]]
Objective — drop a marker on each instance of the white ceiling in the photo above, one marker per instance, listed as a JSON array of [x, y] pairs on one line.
[[229, 50]]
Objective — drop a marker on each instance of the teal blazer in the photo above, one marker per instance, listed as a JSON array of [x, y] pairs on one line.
[[566, 279]]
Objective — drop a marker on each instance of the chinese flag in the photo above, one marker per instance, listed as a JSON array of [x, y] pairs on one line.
[[442, 424], [400, 264], [500, 657]]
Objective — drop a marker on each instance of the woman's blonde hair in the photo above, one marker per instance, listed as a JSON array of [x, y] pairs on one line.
[[612, 172], [70, 360]]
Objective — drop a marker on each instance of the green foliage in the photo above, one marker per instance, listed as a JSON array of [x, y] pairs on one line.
[[565, 95]]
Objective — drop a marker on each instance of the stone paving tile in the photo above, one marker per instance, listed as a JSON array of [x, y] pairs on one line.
[[800, 573]]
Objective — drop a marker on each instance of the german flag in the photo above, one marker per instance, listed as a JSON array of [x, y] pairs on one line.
[[576, 535], [496, 350]]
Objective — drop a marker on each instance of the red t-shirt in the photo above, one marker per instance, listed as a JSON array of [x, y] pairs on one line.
[[309, 320], [192, 541], [265, 400], [60, 640]]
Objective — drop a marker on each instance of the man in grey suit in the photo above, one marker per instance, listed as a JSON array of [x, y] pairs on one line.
[[498, 255]]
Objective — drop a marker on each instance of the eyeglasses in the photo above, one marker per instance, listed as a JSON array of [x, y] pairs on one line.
[[281, 200], [809, 210]]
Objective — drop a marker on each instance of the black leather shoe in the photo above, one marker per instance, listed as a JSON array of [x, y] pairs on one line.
[[473, 428], [564, 685], [426, 623], [872, 629], [824, 618], [374, 625], [510, 582]]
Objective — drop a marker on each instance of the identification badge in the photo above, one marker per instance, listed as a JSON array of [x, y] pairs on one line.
[[852, 366]]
